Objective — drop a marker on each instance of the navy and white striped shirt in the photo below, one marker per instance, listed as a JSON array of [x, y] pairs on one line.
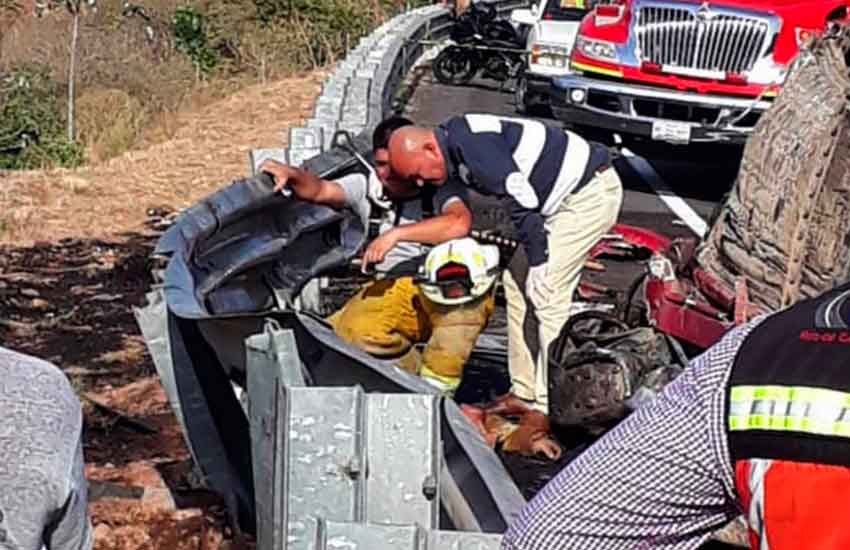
[[532, 165]]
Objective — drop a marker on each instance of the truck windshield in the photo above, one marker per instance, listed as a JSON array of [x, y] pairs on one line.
[[567, 10]]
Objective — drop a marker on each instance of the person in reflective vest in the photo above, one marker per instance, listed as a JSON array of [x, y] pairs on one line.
[[759, 424]]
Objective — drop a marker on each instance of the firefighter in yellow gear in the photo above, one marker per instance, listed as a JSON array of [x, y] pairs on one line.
[[445, 307], [390, 316]]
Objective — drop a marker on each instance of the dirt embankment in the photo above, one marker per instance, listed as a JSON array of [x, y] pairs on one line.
[[210, 148], [73, 263]]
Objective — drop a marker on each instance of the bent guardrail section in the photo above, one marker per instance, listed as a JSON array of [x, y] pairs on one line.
[[197, 356]]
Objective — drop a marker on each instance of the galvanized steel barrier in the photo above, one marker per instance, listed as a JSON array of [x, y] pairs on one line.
[[329, 535], [400, 457], [360, 93]]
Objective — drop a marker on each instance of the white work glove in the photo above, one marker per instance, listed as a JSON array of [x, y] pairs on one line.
[[375, 191], [535, 285]]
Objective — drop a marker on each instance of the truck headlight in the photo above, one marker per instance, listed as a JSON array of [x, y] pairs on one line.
[[550, 55], [598, 49]]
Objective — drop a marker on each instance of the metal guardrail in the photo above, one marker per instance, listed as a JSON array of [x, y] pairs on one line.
[[359, 94], [330, 535]]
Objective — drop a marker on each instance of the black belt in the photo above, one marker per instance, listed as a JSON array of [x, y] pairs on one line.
[[600, 159], [590, 176]]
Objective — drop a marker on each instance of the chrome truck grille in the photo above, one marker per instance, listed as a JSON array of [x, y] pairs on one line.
[[701, 38]]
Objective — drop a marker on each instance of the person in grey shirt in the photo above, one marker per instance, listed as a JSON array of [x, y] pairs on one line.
[[388, 317], [43, 499], [402, 203], [403, 211]]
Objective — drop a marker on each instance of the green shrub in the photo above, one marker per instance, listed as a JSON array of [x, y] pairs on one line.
[[190, 37], [32, 130], [272, 38]]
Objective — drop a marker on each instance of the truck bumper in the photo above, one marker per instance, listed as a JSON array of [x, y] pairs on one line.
[[539, 88], [640, 110]]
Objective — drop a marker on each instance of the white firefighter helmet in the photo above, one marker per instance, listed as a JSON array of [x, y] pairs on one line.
[[459, 271]]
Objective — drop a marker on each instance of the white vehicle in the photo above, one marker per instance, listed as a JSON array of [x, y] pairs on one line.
[[552, 26]]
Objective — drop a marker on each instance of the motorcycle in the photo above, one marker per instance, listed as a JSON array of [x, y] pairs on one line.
[[480, 45]]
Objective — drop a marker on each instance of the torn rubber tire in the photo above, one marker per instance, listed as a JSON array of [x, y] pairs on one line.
[[590, 389]]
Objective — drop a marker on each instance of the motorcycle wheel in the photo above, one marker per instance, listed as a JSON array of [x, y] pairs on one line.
[[454, 66]]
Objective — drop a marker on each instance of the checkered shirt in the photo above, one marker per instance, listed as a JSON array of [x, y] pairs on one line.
[[662, 479]]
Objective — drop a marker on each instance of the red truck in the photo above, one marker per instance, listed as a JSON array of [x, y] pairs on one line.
[[684, 71]]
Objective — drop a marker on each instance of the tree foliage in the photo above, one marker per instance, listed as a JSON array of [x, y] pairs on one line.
[[31, 124], [302, 34], [190, 36]]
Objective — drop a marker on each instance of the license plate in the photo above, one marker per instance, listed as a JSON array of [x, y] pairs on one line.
[[672, 132], [697, 73]]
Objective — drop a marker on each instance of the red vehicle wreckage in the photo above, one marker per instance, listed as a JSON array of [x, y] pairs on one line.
[[681, 299], [781, 235], [683, 70]]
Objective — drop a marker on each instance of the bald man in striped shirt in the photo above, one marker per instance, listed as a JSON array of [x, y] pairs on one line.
[[562, 195]]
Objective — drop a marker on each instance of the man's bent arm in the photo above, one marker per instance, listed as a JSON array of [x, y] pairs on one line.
[[311, 188], [306, 185], [453, 223]]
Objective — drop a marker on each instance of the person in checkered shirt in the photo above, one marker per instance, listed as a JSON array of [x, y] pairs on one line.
[[759, 424]]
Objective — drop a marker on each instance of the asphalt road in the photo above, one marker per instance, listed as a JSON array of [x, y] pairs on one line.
[[670, 189]]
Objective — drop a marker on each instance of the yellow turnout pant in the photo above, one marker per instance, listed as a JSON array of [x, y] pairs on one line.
[[388, 318]]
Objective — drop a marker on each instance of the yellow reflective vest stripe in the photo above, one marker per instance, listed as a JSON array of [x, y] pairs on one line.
[[802, 409]]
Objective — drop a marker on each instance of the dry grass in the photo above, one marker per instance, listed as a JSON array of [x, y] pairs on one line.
[[156, 135], [109, 121], [209, 148], [121, 74], [113, 51], [129, 70]]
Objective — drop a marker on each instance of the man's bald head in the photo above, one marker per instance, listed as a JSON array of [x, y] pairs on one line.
[[409, 139], [415, 155]]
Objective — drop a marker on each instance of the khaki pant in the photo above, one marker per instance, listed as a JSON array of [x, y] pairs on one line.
[[388, 318], [572, 231]]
